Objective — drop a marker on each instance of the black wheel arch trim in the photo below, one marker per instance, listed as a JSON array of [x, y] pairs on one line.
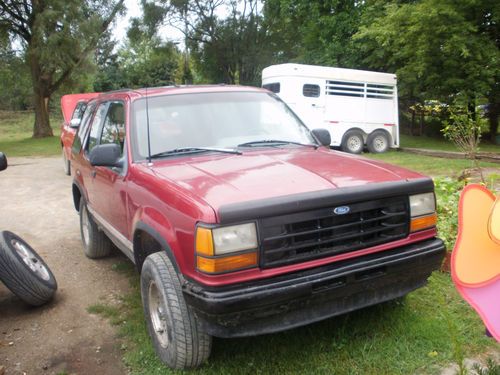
[[141, 226]]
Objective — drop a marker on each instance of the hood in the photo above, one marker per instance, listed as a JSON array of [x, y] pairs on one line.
[[69, 102], [221, 179]]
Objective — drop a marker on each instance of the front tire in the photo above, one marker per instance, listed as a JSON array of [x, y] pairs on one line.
[[353, 142], [95, 242], [174, 329], [378, 142], [24, 272]]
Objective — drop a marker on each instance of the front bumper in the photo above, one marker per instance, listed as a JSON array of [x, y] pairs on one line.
[[305, 297]]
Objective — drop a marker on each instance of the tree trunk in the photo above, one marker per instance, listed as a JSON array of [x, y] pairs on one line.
[[41, 97], [493, 114], [41, 128]]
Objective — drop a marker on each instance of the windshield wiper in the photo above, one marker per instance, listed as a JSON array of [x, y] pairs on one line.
[[194, 150], [275, 142]]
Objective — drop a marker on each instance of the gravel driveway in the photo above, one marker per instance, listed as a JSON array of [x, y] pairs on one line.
[[36, 203]]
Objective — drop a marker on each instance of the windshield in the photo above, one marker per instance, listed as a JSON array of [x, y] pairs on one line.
[[213, 120]]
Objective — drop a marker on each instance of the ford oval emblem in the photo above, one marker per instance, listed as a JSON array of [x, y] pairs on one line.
[[342, 210]]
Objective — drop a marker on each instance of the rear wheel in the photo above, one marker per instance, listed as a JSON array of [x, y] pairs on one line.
[[66, 163], [95, 242], [174, 329], [353, 142], [378, 142], [24, 272]]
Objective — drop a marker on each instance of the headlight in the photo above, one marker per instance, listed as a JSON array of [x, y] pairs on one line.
[[422, 204], [215, 248], [422, 211], [235, 238]]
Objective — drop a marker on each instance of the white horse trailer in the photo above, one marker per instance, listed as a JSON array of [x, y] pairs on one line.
[[358, 107]]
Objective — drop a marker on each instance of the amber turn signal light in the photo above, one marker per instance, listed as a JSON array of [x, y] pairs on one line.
[[204, 241], [423, 222], [226, 264]]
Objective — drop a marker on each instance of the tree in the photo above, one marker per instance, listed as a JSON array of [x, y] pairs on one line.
[[314, 32], [439, 49], [225, 39], [57, 37]]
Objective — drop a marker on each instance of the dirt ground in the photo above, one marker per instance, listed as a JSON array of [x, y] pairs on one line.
[[61, 337]]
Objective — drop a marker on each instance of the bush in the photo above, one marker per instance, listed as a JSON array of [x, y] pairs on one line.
[[447, 197]]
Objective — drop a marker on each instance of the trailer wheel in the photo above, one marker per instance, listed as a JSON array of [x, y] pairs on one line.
[[353, 142], [24, 272], [378, 142]]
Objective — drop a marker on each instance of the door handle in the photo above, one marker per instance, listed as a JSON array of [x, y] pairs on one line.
[[93, 173]]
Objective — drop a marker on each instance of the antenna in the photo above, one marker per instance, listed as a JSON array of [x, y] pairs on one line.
[[147, 126]]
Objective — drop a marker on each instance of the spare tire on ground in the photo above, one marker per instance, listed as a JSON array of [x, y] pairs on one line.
[[24, 272]]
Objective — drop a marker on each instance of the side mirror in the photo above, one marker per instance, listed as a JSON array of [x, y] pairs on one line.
[[109, 155], [323, 136], [75, 123], [3, 161]]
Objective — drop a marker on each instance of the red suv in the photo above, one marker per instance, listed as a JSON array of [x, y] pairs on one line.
[[240, 220]]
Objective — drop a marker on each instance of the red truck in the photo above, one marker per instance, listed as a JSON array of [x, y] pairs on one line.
[[73, 106], [240, 220]]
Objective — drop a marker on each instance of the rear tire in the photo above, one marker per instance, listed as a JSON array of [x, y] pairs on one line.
[[95, 242], [66, 164], [378, 142], [24, 272], [175, 331], [353, 142]]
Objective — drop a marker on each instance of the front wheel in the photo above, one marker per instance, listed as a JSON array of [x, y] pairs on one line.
[[174, 329], [353, 142], [24, 272], [378, 142]]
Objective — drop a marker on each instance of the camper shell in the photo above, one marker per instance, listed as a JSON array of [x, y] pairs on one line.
[[357, 107]]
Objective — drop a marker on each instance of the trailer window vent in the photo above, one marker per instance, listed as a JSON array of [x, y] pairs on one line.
[[311, 91], [273, 87], [344, 88], [379, 91]]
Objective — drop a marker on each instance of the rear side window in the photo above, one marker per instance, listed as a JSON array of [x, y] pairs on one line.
[[82, 129], [273, 87], [311, 91], [79, 110]]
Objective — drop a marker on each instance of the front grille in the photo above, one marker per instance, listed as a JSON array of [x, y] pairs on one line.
[[320, 233]]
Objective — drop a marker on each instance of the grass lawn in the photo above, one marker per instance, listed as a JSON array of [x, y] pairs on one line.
[[427, 330], [16, 129], [440, 144], [428, 165]]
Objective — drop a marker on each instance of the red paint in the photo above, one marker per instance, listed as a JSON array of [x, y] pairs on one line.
[[173, 195], [68, 105]]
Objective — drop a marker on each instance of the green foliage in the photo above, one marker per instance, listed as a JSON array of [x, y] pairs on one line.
[[314, 32], [435, 47], [447, 198], [464, 130], [57, 37]]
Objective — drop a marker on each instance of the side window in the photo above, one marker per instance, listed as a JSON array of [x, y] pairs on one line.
[[273, 87], [113, 128], [311, 91], [96, 126], [79, 110], [82, 129]]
